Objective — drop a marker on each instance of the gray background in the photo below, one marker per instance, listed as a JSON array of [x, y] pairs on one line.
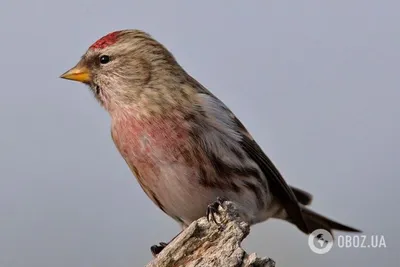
[[316, 82]]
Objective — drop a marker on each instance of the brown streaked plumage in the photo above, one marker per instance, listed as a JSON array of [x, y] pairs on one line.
[[185, 147]]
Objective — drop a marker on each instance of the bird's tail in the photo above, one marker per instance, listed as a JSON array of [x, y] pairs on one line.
[[316, 221]]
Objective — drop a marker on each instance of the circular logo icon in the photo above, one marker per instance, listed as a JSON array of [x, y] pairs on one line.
[[320, 241]]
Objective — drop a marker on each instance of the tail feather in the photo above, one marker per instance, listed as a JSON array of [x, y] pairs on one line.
[[302, 196], [317, 221]]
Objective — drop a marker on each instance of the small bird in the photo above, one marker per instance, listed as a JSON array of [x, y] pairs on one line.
[[185, 147]]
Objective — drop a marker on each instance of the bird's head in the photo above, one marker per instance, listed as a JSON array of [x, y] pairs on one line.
[[123, 66]]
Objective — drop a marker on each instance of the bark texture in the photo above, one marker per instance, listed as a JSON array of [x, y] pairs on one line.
[[205, 244]]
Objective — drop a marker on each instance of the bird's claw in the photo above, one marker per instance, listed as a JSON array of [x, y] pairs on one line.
[[212, 209], [156, 249]]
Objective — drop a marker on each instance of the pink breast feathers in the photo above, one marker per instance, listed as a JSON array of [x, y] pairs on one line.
[[151, 141]]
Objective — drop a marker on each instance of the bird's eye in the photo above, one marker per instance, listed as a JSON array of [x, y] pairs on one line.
[[104, 59]]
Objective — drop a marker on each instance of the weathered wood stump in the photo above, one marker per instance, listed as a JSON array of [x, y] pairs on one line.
[[205, 244]]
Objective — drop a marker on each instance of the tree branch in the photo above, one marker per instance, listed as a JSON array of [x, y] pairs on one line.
[[204, 244]]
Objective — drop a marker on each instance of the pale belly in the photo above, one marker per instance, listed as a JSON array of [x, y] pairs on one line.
[[175, 188], [169, 172]]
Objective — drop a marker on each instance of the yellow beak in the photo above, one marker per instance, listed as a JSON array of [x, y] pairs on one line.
[[77, 73]]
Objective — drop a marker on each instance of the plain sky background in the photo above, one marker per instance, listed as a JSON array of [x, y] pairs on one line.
[[316, 82]]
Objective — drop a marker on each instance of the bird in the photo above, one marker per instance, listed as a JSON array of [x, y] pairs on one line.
[[186, 148]]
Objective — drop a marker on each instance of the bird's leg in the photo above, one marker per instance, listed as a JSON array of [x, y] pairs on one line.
[[156, 249], [212, 209]]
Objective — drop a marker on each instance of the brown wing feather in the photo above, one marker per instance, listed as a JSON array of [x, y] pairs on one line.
[[302, 196], [279, 188]]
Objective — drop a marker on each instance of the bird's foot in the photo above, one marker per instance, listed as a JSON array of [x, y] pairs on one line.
[[156, 249], [212, 209]]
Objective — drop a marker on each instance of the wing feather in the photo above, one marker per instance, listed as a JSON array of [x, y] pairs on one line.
[[233, 133]]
